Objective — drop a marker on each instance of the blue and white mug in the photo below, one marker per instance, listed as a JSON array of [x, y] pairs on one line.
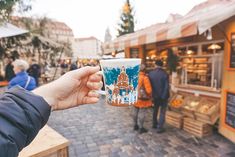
[[121, 81]]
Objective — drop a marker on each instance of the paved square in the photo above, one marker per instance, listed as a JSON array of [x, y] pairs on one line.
[[101, 130]]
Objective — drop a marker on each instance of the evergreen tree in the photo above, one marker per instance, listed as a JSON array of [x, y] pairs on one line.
[[126, 24], [7, 7]]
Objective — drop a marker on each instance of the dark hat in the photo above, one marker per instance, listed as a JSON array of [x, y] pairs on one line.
[[159, 62]]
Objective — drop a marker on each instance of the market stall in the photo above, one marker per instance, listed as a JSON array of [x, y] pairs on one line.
[[202, 84]]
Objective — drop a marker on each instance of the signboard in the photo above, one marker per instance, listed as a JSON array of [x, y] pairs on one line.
[[232, 52], [230, 109]]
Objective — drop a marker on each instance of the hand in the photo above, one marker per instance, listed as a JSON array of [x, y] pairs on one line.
[[74, 88]]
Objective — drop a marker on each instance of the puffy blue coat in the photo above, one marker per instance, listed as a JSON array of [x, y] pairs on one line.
[[21, 79], [22, 115]]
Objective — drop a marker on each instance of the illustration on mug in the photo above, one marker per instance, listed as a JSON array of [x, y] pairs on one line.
[[121, 85]]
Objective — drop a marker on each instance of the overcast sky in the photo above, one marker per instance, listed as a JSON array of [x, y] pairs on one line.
[[92, 17]]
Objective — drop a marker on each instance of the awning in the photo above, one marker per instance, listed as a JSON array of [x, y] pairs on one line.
[[8, 30], [48, 41], [44, 40], [197, 21]]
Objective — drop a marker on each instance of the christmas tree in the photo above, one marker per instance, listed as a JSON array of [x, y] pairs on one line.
[[126, 24]]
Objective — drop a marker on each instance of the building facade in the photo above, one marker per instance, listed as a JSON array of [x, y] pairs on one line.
[[55, 30], [87, 48]]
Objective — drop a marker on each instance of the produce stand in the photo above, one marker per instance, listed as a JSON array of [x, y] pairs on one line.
[[194, 114]]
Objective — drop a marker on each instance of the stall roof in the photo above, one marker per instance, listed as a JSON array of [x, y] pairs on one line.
[[8, 30], [197, 21]]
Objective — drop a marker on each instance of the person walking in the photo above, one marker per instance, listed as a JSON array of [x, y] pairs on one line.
[[144, 101], [35, 71], [73, 66], [22, 78], [160, 84], [9, 72]]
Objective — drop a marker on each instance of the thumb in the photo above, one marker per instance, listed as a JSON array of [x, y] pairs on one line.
[[85, 71]]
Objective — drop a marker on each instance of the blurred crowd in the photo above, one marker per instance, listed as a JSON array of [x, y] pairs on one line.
[[30, 74]]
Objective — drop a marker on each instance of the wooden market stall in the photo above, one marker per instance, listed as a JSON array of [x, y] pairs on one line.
[[48, 143], [204, 89]]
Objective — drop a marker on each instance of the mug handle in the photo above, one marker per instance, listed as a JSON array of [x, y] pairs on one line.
[[101, 92]]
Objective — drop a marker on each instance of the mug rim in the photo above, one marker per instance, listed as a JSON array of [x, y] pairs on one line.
[[121, 60]]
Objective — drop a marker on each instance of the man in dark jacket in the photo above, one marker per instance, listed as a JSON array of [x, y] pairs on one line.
[[160, 85], [9, 72], [35, 71], [24, 113]]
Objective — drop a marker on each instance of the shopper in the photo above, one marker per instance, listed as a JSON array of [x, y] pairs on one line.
[[73, 66], [24, 113], [22, 78], [35, 71], [9, 72], [144, 101], [160, 84]]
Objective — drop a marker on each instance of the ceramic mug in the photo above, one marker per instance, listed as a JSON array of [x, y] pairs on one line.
[[121, 81]]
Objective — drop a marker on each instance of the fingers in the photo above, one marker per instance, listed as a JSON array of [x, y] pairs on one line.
[[85, 71], [94, 85], [95, 77], [93, 94], [90, 100]]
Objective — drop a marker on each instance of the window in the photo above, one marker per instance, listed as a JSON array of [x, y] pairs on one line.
[[134, 53], [192, 50]]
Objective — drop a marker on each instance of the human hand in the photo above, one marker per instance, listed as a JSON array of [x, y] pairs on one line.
[[74, 88]]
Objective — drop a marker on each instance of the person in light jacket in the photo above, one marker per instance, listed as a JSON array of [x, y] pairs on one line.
[[22, 78]]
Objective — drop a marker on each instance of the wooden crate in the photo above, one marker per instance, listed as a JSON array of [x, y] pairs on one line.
[[212, 115], [190, 112], [177, 96], [197, 128], [48, 143], [174, 119]]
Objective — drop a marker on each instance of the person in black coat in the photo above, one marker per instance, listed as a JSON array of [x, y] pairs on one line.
[[9, 72], [35, 71], [24, 113], [160, 85]]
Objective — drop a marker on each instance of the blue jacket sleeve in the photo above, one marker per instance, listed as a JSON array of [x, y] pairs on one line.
[[22, 115]]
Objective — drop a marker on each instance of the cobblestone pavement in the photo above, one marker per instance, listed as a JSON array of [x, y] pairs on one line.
[[107, 131]]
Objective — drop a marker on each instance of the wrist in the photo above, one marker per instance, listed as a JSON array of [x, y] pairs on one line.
[[47, 95]]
